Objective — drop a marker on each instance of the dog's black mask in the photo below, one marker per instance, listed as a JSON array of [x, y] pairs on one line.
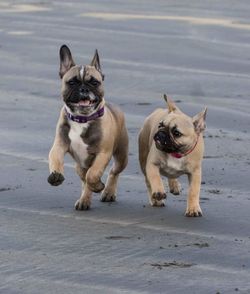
[[78, 91], [165, 142]]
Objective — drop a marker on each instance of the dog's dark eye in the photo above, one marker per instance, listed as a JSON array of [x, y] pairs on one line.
[[94, 82], [161, 125], [176, 133], [73, 82]]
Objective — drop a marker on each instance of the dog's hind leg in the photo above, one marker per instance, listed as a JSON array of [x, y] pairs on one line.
[[174, 186], [120, 162], [84, 202]]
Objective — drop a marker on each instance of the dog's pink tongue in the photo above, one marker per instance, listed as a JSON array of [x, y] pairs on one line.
[[84, 103]]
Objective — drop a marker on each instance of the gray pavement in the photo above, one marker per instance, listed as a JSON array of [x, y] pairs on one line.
[[198, 52]]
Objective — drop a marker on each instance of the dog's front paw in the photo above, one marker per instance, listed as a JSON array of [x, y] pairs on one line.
[[156, 203], [193, 211], [82, 204], [96, 187], [157, 199], [159, 196], [108, 197], [55, 178]]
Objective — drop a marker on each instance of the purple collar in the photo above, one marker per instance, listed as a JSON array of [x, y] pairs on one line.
[[84, 118]]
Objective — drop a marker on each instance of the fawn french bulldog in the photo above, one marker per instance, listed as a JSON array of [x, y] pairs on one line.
[[91, 130], [171, 144]]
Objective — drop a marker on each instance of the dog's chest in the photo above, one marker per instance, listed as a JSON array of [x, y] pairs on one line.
[[78, 148], [173, 167]]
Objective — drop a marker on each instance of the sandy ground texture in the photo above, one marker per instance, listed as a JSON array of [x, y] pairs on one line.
[[198, 52]]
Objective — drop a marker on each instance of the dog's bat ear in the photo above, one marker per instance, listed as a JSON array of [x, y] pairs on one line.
[[199, 121], [96, 62], [66, 60], [170, 103]]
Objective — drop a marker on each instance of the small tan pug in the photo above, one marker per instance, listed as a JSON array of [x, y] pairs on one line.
[[171, 144], [89, 129]]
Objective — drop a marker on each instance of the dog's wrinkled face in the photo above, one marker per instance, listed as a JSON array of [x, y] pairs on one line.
[[82, 86], [177, 133]]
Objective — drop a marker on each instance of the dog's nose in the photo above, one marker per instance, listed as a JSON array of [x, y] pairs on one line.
[[84, 91], [161, 136]]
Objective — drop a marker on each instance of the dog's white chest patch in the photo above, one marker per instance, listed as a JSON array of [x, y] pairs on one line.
[[173, 167], [77, 146]]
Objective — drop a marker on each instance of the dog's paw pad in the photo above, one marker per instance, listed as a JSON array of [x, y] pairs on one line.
[[193, 213], [107, 197], [159, 196], [160, 203], [55, 178], [82, 205]]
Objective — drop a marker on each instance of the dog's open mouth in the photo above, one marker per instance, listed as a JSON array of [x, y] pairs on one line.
[[86, 103], [84, 106]]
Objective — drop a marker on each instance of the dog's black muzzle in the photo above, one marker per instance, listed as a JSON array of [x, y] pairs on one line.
[[164, 142], [83, 94]]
